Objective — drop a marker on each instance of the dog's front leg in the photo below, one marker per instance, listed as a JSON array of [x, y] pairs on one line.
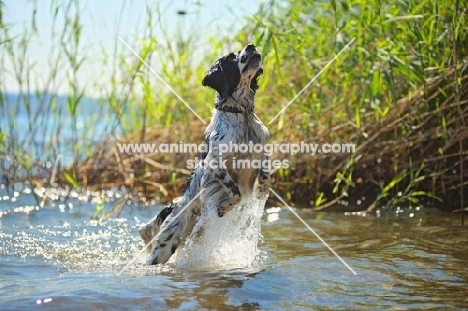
[[151, 229], [234, 195], [263, 178], [174, 231], [215, 166]]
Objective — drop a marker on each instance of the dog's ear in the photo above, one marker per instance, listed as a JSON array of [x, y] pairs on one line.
[[254, 81], [217, 80]]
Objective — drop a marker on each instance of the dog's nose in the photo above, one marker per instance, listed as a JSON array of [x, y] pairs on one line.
[[250, 46]]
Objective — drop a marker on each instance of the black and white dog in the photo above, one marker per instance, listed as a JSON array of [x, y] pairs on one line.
[[234, 77]]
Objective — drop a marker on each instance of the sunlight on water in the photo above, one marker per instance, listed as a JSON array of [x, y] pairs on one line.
[[55, 256], [64, 235], [227, 242]]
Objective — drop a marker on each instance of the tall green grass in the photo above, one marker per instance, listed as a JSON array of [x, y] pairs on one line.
[[402, 50]]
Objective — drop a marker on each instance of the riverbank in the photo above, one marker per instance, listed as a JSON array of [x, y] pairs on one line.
[[398, 93]]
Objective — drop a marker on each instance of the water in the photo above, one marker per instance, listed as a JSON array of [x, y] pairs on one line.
[[227, 242], [50, 129], [56, 257]]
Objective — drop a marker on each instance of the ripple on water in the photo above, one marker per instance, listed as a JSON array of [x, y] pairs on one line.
[[60, 254], [87, 245], [74, 242]]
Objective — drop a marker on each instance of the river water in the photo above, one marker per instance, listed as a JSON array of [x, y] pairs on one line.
[[54, 257]]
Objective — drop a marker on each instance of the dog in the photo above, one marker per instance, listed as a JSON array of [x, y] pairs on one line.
[[234, 77]]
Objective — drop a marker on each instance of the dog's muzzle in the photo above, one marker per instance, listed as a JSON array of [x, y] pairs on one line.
[[250, 58]]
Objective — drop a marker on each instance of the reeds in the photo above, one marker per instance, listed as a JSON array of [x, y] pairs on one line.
[[400, 94]]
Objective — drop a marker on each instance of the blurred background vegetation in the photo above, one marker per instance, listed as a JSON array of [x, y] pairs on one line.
[[399, 93]]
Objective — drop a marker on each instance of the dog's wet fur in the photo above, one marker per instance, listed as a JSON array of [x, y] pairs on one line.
[[234, 77]]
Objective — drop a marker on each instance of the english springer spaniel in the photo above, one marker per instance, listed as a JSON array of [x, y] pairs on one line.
[[234, 77]]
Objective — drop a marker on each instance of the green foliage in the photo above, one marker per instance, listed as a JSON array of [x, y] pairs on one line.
[[409, 194], [400, 46], [98, 213], [71, 178], [344, 179]]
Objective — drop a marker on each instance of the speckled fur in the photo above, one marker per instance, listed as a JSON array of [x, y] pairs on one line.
[[224, 186]]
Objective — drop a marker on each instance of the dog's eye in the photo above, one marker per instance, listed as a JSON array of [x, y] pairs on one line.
[[244, 59]]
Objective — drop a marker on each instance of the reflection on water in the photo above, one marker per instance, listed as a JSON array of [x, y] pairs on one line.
[[55, 256]]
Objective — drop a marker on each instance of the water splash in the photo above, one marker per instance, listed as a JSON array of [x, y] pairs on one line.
[[227, 242]]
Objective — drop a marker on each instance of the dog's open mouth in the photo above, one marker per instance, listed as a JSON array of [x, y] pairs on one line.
[[252, 61]]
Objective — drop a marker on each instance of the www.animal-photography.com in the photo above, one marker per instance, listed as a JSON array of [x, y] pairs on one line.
[[212, 155]]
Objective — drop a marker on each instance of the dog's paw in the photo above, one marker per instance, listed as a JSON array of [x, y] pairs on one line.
[[263, 189], [146, 235], [262, 193], [162, 252], [235, 199], [228, 205]]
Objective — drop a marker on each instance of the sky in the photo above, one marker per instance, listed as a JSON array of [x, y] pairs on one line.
[[102, 27]]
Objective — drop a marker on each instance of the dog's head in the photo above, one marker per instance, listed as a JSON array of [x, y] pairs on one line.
[[235, 75]]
